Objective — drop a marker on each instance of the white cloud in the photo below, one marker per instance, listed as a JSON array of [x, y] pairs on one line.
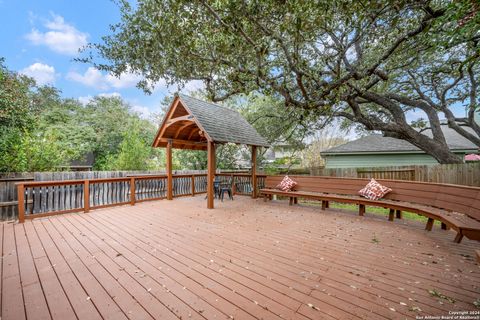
[[96, 79], [110, 95], [126, 80], [91, 78], [86, 99], [415, 114], [188, 87], [193, 85], [143, 112], [60, 36], [42, 73]]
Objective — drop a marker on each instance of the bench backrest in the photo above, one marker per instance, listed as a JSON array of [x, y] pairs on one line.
[[457, 198]]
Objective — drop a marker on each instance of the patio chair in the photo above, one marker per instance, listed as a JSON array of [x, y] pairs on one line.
[[225, 187], [216, 187]]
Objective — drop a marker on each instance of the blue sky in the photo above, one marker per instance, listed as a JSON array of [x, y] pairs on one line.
[[41, 38]]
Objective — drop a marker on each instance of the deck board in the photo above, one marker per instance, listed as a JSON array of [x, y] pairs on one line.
[[81, 265], [244, 260], [73, 289], [170, 292], [1, 265], [58, 302], [35, 303], [112, 261], [12, 293]]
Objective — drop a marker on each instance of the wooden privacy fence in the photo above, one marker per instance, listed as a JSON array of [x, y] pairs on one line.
[[467, 174], [8, 193], [45, 198]]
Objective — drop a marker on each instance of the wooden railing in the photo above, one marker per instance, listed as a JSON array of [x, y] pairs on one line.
[[45, 198]]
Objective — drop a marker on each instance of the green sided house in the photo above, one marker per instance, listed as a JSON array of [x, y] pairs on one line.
[[379, 151]]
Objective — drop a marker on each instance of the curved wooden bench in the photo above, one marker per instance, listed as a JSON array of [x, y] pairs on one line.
[[455, 206]]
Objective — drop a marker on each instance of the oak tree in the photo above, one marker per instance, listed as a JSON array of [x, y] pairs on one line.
[[370, 62]]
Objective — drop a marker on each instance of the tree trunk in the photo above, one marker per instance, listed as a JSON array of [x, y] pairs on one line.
[[443, 155], [399, 128], [437, 149]]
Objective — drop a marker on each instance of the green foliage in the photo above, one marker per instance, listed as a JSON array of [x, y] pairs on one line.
[[287, 164], [227, 156], [134, 152], [273, 120], [23, 147], [35, 152], [105, 122], [189, 160], [322, 140], [459, 23], [16, 108], [42, 131], [10, 139], [277, 123], [367, 62]]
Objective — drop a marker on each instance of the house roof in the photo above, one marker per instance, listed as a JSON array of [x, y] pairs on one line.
[[209, 122], [377, 143]]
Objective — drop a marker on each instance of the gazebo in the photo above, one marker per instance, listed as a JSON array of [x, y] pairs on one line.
[[194, 124]]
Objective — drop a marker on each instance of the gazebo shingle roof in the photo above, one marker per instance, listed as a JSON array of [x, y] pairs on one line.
[[223, 124]]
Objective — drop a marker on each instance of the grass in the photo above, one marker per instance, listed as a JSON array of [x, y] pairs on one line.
[[378, 211], [370, 209]]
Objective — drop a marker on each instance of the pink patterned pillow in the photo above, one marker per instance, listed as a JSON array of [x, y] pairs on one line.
[[374, 190], [287, 184]]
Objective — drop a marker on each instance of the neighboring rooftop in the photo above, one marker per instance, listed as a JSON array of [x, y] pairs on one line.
[[377, 143]]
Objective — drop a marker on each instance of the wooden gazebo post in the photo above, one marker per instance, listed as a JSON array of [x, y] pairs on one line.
[[169, 171], [210, 173], [254, 171]]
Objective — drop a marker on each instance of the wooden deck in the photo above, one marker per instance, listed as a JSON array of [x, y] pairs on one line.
[[244, 260]]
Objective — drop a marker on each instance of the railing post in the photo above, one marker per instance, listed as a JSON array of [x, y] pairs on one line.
[[193, 185], [21, 202], [254, 172], [169, 171], [210, 173], [233, 184], [132, 191], [86, 195]]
